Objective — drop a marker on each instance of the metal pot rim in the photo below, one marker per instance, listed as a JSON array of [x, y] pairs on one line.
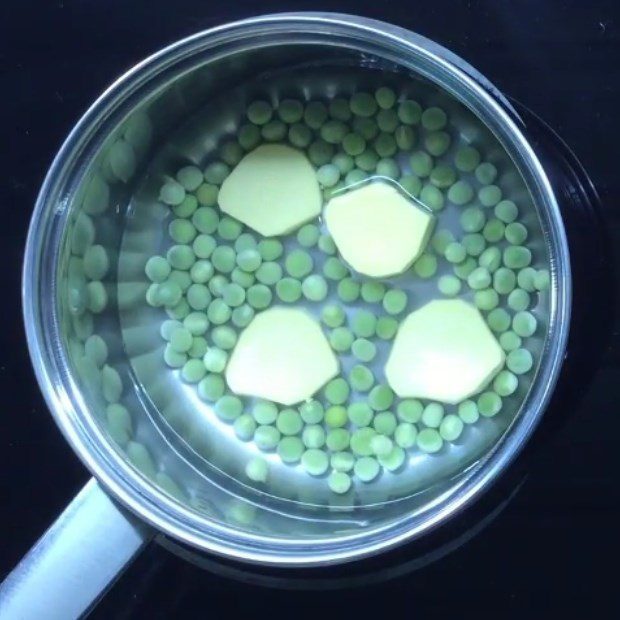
[[69, 409]]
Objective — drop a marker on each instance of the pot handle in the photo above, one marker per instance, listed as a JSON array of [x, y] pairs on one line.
[[75, 561]]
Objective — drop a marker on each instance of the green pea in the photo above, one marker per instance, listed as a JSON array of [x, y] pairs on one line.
[[393, 460], [243, 278], [218, 312], [198, 297], [367, 161], [332, 315], [381, 445], [366, 468], [364, 323], [451, 428], [270, 249], [348, 290], [361, 378], [489, 404], [386, 328], [434, 118], [259, 296], [429, 440], [504, 280], [365, 127], [506, 211], [229, 229], [312, 412], [315, 114], [443, 176], [372, 291], [181, 257], [242, 316], [223, 259], [519, 361], [517, 257], [248, 136], [509, 341], [290, 111], [267, 438], [199, 347], [320, 152], [490, 195], [193, 371], [385, 423], [314, 287], [298, 263], [524, 324], [505, 383], [211, 388], [187, 208], [157, 269], [437, 143], [257, 470], [206, 220], [491, 259], [409, 112], [515, 233], [289, 422], [498, 320], [493, 231], [486, 173], [333, 131], [184, 279], [355, 176], [363, 104], [472, 219], [474, 244], [387, 120], [360, 414], [334, 269], [432, 415], [526, 278], [264, 412], [96, 349], [341, 339], [231, 153], [455, 252], [336, 392], [215, 360], [388, 167], [542, 280], [364, 350], [486, 299], [180, 311], [405, 137], [432, 197], [405, 435], [174, 359], [360, 441], [328, 175], [339, 482], [259, 112], [386, 97], [269, 273], [119, 423], [315, 462], [466, 159], [300, 135], [479, 278], [421, 164], [344, 162], [450, 286], [167, 327], [224, 337], [97, 262], [313, 436], [216, 172], [288, 290], [411, 184], [461, 193], [425, 266], [381, 397], [249, 260], [339, 109], [203, 246], [172, 193], [244, 427], [290, 449], [395, 301], [181, 340], [468, 412], [441, 239], [196, 323]]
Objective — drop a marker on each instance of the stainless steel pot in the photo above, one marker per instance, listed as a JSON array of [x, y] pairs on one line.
[[166, 471]]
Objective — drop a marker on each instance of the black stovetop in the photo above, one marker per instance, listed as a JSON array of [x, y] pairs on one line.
[[542, 540]]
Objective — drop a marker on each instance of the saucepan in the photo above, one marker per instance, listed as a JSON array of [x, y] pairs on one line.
[[160, 464]]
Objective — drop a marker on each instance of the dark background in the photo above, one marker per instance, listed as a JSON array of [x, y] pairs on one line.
[[550, 550]]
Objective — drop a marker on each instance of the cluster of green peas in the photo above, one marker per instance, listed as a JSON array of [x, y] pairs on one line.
[[216, 276]]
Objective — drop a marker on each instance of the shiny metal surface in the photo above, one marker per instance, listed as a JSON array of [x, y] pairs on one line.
[[75, 561], [188, 487]]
